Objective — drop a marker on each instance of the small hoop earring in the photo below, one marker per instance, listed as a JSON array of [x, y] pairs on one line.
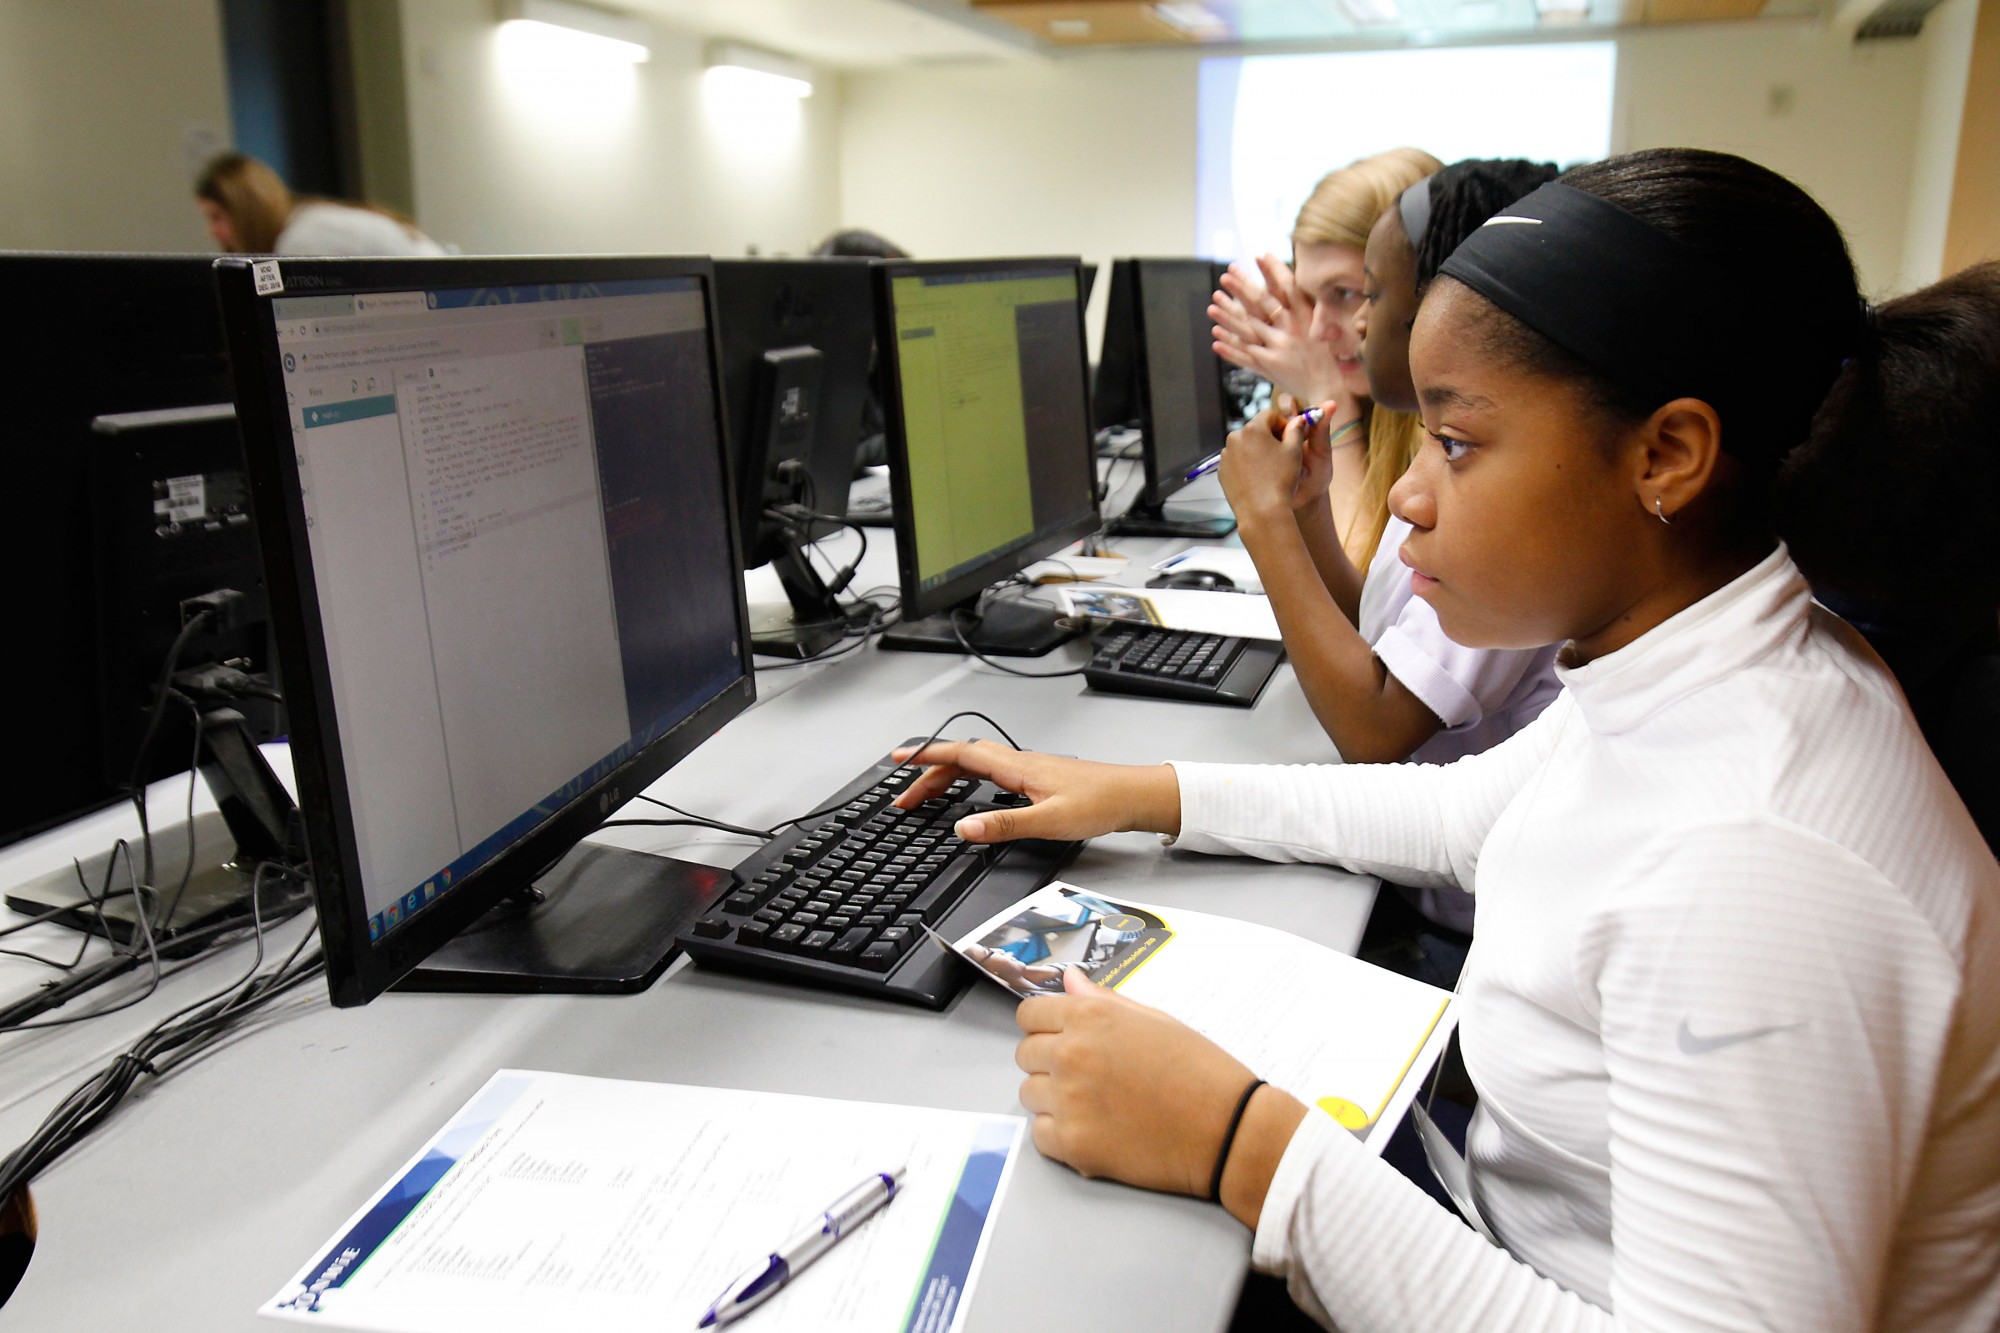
[[1661, 511]]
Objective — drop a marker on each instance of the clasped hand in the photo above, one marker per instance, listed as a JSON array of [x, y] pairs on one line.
[[1277, 465]]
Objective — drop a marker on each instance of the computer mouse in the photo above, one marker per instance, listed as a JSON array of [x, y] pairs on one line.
[[1200, 580]]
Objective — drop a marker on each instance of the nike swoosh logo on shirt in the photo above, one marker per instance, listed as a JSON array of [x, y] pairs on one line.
[[1690, 1044]]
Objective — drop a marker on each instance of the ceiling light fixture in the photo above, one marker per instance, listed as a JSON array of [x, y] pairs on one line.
[[1190, 17], [1367, 12], [582, 29], [748, 69]]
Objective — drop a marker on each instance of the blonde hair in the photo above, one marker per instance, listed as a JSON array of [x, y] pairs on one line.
[[255, 198], [1341, 210]]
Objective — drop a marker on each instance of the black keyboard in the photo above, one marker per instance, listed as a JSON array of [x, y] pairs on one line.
[[1181, 664], [842, 902]]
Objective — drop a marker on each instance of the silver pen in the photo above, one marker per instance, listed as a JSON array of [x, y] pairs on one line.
[[762, 1282]]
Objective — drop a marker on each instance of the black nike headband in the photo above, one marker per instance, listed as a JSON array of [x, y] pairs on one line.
[[1637, 306]]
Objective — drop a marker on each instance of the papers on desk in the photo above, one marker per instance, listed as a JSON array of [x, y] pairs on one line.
[[554, 1201], [1246, 615], [1346, 1036]]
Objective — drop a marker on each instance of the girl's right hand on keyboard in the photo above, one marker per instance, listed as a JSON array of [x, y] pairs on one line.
[[1072, 798]]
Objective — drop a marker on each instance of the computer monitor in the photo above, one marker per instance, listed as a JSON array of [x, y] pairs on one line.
[[123, 445], [797, 336], [1159, 369], [500, 540], [989, 442]]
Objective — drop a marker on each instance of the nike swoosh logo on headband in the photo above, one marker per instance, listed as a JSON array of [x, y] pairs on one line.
[[1526, 222]]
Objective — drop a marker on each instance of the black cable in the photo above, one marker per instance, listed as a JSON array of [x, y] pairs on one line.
[[181, 1035], [878, 619], [686, 823], [144, 921], [775, 829], [720, 824], [194, 772], [180, 946], [136, 787], [958, 631]]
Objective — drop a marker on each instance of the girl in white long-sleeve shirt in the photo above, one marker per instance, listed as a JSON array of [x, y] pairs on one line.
[[1734, 1006]]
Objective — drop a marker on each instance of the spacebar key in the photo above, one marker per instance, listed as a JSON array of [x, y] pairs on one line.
[[942, 894]]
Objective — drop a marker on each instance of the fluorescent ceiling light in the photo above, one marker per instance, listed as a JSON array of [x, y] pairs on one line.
[[1562, 10], [579, 29], [1190, 17], [1372, 11], [748, 69]]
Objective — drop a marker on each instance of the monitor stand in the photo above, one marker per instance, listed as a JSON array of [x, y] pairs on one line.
[[1152, 521], [817, 621], [600, 921], [255, 822], [1003, 629]]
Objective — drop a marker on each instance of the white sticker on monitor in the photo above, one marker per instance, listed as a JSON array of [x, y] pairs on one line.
[[181, 499], [268, 279]]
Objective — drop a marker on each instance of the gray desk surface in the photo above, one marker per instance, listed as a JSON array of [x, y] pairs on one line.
[[210, 1188]]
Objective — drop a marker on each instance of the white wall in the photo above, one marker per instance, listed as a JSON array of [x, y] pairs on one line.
[[1947, 42], [1095, 153], [1839, 118], [1090, 155], [626, 158], [107, 111]]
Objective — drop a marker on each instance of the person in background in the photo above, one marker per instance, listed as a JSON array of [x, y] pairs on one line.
[[1381, 675], [872, 449], [859, 243], [1731, 1015], [250, 211], [1298, 330]]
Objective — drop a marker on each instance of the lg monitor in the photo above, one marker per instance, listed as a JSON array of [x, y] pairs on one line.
[[124, 450], [504, 569], [797, 336], [989, 441], [1159, 371]]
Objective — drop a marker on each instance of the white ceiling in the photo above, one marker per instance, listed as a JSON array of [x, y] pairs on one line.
[[844, 34]]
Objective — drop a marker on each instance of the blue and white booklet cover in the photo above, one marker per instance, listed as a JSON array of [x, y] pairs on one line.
[[560, 1201]]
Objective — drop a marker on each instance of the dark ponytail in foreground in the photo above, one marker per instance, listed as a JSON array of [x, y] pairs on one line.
[[1894, 498]]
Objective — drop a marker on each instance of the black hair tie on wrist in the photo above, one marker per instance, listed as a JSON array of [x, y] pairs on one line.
[[1229, 1139]]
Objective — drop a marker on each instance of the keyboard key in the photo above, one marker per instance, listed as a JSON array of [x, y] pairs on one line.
[[850, 944]]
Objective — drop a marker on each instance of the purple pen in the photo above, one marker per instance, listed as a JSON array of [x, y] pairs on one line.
[[1310, 416]]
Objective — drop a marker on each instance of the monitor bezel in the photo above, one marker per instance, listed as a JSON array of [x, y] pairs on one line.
[[917, 603], [1158, 488], [358, 968]]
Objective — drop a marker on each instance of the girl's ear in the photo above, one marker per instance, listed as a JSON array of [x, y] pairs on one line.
[[1683, 447]]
